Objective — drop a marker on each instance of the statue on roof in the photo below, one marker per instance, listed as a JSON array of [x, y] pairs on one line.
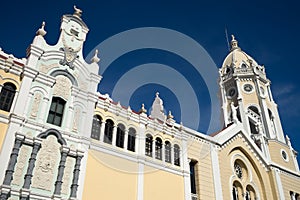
[[77, 12]]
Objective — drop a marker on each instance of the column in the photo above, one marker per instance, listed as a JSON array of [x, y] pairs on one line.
[[31, 164], [68, 118], [126, 139], [13, 160], [140, 183], [10, 169], [26, 110], [44, 112], [186, 170], [153, 147], [76, 172], [102, 131], [61, 168], [140, 150], [114, 136], [172, 154], [216, 171], [163, 153], [28, 176], [279, 184]]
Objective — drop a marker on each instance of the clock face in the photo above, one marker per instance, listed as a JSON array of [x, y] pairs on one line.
[[238, 171], [248, 87]]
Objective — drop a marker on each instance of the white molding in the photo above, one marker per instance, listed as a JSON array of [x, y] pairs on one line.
[[140, 182], [216, 172], [279, 184]]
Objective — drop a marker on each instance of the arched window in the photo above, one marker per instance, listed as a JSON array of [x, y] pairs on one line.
[[254, 109], [148, 145], [237, 190], [158, 148], [108, 131], [234, 193], [131, 139], [247, 195], [250, 193], [120, 136], [193, 176], [96, 127], [7, 96], [176, 155], [168, 151], [56, 111]]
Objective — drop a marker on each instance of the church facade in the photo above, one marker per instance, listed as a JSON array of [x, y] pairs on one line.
[[61, 139]]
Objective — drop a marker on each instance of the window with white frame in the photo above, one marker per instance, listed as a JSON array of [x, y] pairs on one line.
[[7, 96]]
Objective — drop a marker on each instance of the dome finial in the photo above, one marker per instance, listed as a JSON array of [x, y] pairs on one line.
[[77, 12], [41, 30], [234, 43], [95, 58]]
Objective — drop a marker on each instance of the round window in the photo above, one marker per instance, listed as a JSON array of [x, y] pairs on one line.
[[248, 87], [284, 155], [238, 171]]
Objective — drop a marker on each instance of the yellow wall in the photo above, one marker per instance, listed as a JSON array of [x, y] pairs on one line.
[[275, 152], [3, 128], [200, 151], [290, 183], [103, 179], [162, 185]]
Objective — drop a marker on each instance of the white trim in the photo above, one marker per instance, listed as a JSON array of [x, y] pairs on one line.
[[279, 184], [83, 167], [140, 182], [186, 171], [216, 172]]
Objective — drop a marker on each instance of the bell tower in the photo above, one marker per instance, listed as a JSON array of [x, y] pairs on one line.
[[247, 97]]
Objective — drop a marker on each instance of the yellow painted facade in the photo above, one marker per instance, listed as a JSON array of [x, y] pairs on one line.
[[159, 184], [102, 179]]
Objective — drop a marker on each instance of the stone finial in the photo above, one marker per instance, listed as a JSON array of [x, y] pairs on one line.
[[288, 140], [95, 58], [143, 110], [181, 126], [77, 12], [233, 43], [170, 116], [41, 30]]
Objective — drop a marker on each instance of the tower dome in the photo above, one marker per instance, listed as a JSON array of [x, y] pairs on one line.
[[236, 59]]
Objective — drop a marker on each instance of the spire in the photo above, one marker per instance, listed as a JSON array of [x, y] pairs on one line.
[[158, 108], [77, 12], [41, 30], [234, 43]]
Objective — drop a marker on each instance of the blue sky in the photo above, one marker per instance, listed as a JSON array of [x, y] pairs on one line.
[[268, 31]]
